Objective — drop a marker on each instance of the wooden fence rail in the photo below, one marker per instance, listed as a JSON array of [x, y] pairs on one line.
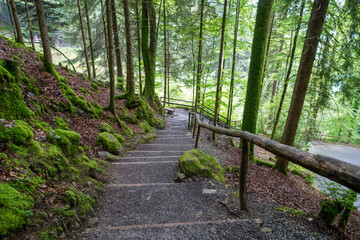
[[341, 172]]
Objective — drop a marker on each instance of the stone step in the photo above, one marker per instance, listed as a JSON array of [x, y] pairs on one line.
[[173, 140], [153, 153], [165, 147], [174, 158], [175, 132], [144, 172], [200, 230], [131, 204]]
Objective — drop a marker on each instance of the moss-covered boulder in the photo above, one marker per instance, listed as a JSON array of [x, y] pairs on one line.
[[68, 141], [104, 127], [15, 207], [145, 126], [17, 132], [196, 163], [109, 143]]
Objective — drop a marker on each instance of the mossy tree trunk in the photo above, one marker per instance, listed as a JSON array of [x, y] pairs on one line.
[[138, 45], [11, 18], [110, 55], [19, 36], [90, 39], [313, 33], [217, 102], [288, 73], [148, 46], [29, 25], [199, 63], [119, 69], [48, 65], [258, 49], [130, 86], [84, 40]]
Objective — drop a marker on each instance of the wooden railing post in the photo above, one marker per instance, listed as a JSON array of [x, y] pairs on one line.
[[189, 121], [194, 128], [242, 179], [197, 137]]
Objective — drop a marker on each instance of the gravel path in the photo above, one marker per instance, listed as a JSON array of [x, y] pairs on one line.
[[144, 202]]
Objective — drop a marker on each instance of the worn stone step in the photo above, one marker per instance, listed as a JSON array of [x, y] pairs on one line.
[[200, 230], [174, 132], [173, 140], [144, 172], [165, 147], [153, 153], [162, 203], [173, 158]]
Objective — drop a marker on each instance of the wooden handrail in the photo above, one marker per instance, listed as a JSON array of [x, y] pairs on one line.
[[341, 172]]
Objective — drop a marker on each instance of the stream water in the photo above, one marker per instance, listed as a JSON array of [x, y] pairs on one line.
[[342, 152]]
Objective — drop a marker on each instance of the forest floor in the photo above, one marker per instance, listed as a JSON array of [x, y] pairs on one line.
[[144, 202]]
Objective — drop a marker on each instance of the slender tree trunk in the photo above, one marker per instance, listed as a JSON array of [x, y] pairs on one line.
[[217, 102], [231, 94], [84, 41], [29, 25], [268, 46], [119, 69], [90, 39], [199, 67], [288, 73], [103, 13], [111, 55], [138, 45], [258, 49], [130, 86], [313, 33], [19, 36], [165, 53], [148, 46], [11, 18], [48, 65]]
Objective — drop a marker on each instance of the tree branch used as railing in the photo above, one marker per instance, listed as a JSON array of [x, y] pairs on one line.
[[341, 172]]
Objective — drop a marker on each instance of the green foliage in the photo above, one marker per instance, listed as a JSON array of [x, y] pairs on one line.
[[197, 163], [68, 141], [15, 208]]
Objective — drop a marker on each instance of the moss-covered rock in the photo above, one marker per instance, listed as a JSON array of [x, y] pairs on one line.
[[109, 143], [17, 132], [145, 126], [196, 163], [61, 123], [68, 141], [15, 207], [104, 127], [120, 138]]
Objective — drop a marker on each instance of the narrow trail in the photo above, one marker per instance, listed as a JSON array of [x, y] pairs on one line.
[[144, 202]]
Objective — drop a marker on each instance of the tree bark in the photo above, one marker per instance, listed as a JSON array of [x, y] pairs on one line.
[[90, 39], [29, 25], [19, 36], [48, 65], [165, 53], [130, 86], [253, 90], [84, 41], [220, 68], [313, 33], [119, 69], [138, 45], [11, 18], [111, 55], [103, 13]]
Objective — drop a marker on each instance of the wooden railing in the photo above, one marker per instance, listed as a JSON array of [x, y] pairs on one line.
[[341, 172]]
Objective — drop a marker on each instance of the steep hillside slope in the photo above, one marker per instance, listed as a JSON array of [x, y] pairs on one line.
[[54, 131]]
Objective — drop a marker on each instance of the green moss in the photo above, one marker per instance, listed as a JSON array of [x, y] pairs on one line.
[[104, 127], [147, 138], [197, 163], [83, 91], [125, 129], [68, 141], [120, 138], [17, 132], [60, 123], [109, 143], [38, 124], [127, 117], [5, 77], [293, 212], [262, 162], [29, 84], [329, 210], [15, 207], [145, 126]]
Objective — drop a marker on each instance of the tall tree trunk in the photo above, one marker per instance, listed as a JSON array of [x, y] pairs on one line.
[[119, 69], [48, 65], [90, 39], [199, 67], [268, 46], [111, 55], [103, 13], [148, 46], [19, 36], [11, 18], [29, 25], [130, 86], [138, 45], [84, 40], [217, 102], [313, 33], [288, 73], [231, 94], [258, 49], [165, 53]]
